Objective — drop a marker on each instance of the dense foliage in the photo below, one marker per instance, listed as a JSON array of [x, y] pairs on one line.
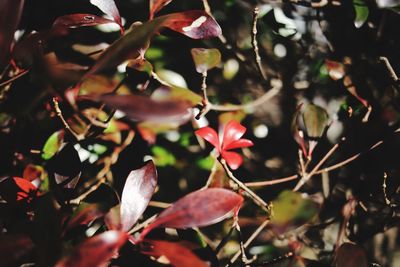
[[199, 133]]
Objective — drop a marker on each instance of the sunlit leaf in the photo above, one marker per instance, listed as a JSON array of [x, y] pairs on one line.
[[205, 59], [163, 157], [108, 7], [52, 145], [362, 13], [198, 209], [78, 20], [336, 70], [157, 5], [95, 251], [349, 255], [178, 255], [315, 120], [291, 209], [138, 190], [10, 14], [98, 84], [176, 93], [17, 189]]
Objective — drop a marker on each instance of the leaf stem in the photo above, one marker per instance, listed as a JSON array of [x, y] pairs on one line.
[[255, 44]]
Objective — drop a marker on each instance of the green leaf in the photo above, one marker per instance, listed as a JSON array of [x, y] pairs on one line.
[[362, 13], [292, 209], [162, 157], [206, 163], [176, 93], [205, 59], [52, 145], [315, 120]]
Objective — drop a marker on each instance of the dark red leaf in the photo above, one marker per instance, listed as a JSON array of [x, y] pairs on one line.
[[17, 189], [197, 209], [108, 7], [85, 214], [13, 247], [233, 159], [157, 5], [194, 24], [10, 14], [78, 20], [143, 108], [232, 132], [95, 251], [349, 255], [210, 135], [178, 255], [138, 190]]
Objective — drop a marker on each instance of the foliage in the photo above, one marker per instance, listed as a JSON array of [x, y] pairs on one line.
[[199, 133]]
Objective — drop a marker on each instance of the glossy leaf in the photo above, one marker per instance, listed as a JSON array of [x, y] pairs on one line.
[[17, 189], [210, 135], [141, 108], [205, 59], [10, 15], [194, 24], [138, 190], [387, 3], [157, 5], [198, 209], [362, 13], [95, 251], [52, 145], [108, 7], [315, 120], [78, 20], [349, 255], [233, 131], [233, 159], [291, 209], [178, 255]]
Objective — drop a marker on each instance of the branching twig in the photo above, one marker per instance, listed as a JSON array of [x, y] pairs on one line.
[[77, 136], [256, 198]]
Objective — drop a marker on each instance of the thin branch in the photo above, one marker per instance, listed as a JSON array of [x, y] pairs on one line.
[[142, 225], [64, 122], [17, 76], [256, 198], [273, 182], [255, 44], [249, 241], [389, 68]]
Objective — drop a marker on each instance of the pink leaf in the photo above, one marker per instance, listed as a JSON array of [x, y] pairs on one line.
[[232, 132], [197, 209], [78, 20], [195, 24], [95, 251], [10, 14], [239, 144], [233, 159], [138, 190], [178, 255], [143, 108], [157, 5], [210, 135], [108, 7]]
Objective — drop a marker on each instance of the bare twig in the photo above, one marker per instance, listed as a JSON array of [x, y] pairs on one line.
[[255, 44], [64, 122], [249, 241], [256, 198], [389, 68], [17, 76], [273, 182], [142, 225]]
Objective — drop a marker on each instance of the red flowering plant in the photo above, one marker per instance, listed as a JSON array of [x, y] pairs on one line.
[[231, 139]]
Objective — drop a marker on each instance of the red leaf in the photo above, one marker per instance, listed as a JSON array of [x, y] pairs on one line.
[[138, 190], [78, 20], [17, 189], [178, 255], [108, 7], [143, 108], [10, 15], [197, 209], [232, 132], [239, 144], [195, 24], [85, 214], [233, 159], [157, 5], [95, 251], [210, 135], [349, 254], [14, 247]]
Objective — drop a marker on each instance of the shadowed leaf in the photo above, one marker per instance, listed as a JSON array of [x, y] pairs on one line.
[[138, 190], [95, 251], [198, 209], [84, 214], [205, 59], [178, 255], [315, 120], [13, 247], [349, 255], [157, 5]]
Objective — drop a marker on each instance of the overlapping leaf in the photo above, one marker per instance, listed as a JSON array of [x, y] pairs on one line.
[[138, 190], [205, 59], [157, 5], [108, 7]]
